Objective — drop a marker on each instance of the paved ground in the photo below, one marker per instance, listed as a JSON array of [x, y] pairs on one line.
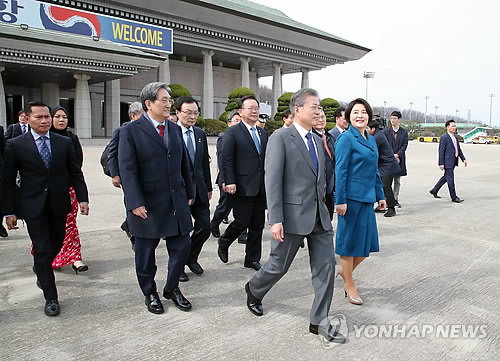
[[436, 277]]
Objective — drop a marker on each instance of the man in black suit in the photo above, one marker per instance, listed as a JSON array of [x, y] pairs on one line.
[[243, 154], [48, 166], [3, 231], [156, 180], [449, 152], [398, 140], [19, 128], [134, 112], [195, 140], [329, 144]]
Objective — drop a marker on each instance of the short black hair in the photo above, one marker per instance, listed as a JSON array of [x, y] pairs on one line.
[[397, 114], [286, 113], [353, 103], [185, 99], [372, 123], [448, 122], [36, 103], [338, 112], [240, 102]]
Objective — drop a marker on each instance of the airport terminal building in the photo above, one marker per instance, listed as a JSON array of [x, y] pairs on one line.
[[94, 57]]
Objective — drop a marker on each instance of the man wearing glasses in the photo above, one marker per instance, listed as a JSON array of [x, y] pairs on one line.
[[243, 153], [195, 140], [156, 180]]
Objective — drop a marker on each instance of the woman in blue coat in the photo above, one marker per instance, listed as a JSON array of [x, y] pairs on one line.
[[357, 187]]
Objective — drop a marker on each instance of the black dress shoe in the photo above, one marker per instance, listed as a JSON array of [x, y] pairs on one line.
[[222, 251], [225, 220], [52, 308], [391, 212], [195, 268], [434, 194], [178, 299], [255, 265], [215, 232], [154, 304], [253, 303], [398, 205], [242, 238], [457, 200], [3, 231], [378, 210], [329, 332], [183, 277]]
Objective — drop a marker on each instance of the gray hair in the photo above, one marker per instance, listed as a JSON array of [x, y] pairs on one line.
[[299, 98], [150, 92], [134, 108], [231, 115]]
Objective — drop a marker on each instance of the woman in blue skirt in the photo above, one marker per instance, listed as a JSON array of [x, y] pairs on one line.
[[357, 187]]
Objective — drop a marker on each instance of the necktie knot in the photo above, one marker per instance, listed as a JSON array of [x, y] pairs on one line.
[[161, 128]]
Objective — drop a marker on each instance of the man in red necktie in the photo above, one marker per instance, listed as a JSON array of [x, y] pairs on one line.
[[449, 152]]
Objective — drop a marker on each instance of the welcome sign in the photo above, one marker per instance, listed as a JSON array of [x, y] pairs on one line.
[[53, 17]]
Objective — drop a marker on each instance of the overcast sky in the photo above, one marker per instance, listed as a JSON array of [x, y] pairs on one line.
[[448, 50]]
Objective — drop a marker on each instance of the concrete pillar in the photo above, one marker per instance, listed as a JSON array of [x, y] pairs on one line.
[[207, 94], [50, 93], [111, 105], [164, 72], [276, 87], [305, 78], [245, 71], [3, 108], [83, 125]]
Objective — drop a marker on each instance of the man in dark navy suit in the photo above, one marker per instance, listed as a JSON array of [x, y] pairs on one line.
[[48, 166], [3, 231], [195, 140], [243, 153], [15, 130], [156, 180], [449, 152]]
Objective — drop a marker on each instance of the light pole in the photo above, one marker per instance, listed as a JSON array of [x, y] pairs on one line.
[[435, 113], [385, 104], [411, 103], [367, 75], [491, 103], [456, 115], [425, 118]]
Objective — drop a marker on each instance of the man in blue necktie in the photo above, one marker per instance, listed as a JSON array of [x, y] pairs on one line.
[[243, 154], [48, 166]]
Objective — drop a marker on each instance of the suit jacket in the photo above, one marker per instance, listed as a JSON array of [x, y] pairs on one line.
[[356, 168], [335, 132], [220, 175], [387, 163], [14, 130], [330, 168], [200, 170], [447, 152], [242, 164], [41, 186], [114, 169], [295, 192], [157, 177], [399, 146]]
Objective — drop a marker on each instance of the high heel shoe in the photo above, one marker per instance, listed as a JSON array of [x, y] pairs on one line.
[[81, 268], [353, 300]]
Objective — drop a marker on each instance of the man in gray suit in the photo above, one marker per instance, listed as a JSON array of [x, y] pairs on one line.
[[296, 185]]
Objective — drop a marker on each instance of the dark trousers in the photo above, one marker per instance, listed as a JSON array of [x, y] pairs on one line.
[[222, 210], [248, 212], [201, 215], [388, 192], [47, 235], [448, 177], [145, 261]]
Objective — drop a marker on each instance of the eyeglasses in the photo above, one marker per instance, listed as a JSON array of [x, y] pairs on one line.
[[314, 108], [252, 109], [166, 101], [189, 113]]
